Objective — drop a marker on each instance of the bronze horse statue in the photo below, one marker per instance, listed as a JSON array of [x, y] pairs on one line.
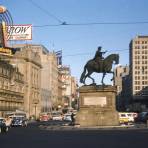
[[101, 66]]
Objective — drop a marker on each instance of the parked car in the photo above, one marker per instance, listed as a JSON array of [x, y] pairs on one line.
[[3, 127], [45, 116], [19, 121], [67, 117], [57, 116], [142, 117], [126, 117]]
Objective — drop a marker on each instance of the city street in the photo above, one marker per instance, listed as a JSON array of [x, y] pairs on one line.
[[54, 135]]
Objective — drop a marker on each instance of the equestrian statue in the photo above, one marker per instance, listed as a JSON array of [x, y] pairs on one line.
[[99, 64]]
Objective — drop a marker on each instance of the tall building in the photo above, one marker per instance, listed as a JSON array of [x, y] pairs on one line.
[[139, 70], [121, 74], [49, 77], [69, 87]]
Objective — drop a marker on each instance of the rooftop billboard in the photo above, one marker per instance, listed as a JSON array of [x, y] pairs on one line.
[[20, 32]]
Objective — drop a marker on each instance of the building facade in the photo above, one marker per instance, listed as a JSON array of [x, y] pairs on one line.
[[47, 71], [120, 72], [120, 81], [69, 87], [139, 70], [11, 88], [29, 64]]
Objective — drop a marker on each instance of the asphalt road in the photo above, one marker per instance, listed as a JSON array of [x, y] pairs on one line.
[[53, 135]]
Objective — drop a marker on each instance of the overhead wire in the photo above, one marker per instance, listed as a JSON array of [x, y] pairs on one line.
[[46, 12], [64, 23], [88, 24], [84, 53]]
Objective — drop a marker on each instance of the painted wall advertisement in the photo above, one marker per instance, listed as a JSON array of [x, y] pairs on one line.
[[20, 32]]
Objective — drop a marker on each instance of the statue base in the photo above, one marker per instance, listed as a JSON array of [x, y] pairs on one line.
[[97, 106]]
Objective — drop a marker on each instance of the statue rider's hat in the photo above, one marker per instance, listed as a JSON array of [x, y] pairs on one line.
[[99, 48]]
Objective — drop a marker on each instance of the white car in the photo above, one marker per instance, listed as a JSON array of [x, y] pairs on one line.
[[57, 116], [67, 117]]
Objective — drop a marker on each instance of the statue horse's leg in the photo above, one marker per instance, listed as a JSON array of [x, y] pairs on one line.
[[88, 75], [103, 78], [113, 76]]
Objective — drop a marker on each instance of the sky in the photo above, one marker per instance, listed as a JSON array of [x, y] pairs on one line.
[[79, 40]]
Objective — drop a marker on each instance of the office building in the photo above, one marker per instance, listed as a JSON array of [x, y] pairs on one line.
[[139, 70]]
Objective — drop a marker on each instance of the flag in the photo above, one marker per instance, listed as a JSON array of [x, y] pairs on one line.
[[59, 57]]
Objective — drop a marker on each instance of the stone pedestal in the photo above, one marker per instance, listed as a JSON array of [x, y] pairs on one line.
[[97, 106]]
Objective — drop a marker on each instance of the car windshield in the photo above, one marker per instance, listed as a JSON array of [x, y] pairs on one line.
[[56, 114], [18, 118]]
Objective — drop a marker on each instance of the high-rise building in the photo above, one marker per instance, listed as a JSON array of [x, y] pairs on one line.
[[120, 81], [139, 69]]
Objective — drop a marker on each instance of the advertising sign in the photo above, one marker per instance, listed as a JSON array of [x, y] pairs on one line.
[[20, 32], [5, 51]]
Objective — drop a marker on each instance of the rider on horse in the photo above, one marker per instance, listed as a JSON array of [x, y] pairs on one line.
[[99, 56]]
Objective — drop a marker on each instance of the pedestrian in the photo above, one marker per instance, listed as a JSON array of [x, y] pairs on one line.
[[72, 119]]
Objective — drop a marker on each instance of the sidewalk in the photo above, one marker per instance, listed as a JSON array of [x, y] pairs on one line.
[[78, 127]]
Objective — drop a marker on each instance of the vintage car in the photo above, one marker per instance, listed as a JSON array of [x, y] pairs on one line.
[[19, 121], [57, 116], [45, 116], [126, 117]]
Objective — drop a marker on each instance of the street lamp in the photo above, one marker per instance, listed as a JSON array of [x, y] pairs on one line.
[[35, 102]]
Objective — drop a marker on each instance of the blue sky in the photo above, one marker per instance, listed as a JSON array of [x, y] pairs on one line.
[[81, 41]]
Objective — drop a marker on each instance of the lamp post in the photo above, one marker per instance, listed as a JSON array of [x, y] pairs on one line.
[[35, 102], [35, 110]]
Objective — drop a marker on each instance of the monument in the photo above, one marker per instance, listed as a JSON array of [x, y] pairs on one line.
[[97, 102]]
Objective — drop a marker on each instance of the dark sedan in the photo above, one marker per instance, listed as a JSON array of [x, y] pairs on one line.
[[3, 127]]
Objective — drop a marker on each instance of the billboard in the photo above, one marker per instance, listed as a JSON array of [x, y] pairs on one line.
[[5, 51], [20, 32]]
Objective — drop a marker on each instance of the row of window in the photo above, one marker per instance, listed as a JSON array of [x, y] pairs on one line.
[[141, 72], [138, 88], [141, 42], [142, 62], [141, 57], [143, 78], [141, 82], [5, 84], [141, 52], [7, 72], [10, 104], [139, 67], [141, 47]]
